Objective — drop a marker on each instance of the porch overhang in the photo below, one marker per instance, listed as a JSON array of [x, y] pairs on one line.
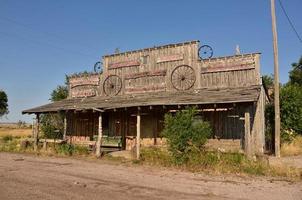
[[200, 96]]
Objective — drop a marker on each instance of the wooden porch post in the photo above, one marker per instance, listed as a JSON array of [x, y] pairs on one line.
[[65, 127], [36, 133], [247, 132], [138, 134], [100, 135]]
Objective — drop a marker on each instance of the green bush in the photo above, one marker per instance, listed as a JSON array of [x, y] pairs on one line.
[[7, 138], [52, 126], [185, 133]]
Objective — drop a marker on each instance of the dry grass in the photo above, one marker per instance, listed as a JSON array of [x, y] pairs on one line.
[[14, 131], [292, 149]]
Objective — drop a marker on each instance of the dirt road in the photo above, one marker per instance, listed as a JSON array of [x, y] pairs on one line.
[[30, 177]]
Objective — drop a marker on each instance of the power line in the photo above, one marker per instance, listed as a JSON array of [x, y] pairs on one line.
[[289, 21], [41, 31], [45, 43]]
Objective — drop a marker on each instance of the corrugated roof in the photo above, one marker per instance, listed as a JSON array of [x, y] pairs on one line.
[[201, 96]]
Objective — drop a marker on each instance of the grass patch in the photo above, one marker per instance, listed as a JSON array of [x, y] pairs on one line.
[[292, 148], [216, 162], [17, 144], [14, 131]]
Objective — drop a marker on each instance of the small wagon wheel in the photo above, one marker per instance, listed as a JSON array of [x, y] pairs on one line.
[[205, 52], [98, 67], [183, 77], [112, 85]]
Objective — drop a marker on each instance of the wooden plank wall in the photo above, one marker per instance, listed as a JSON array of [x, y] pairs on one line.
[[82, 124], [236, 71], [157, 67], [150, 70], [226, 123]]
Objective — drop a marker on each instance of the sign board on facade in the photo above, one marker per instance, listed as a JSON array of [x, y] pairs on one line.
[[169, 58], [82, 92], [84, 80], [129, 63]]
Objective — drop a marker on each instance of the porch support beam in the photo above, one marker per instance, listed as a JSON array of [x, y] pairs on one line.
[[100, 135], [65, 126], [247, 131], [138, 134], [36, 132]]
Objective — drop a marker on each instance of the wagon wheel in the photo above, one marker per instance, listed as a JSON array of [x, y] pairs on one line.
[[98, 67], [205, 52], [183, 77], [112, 85]]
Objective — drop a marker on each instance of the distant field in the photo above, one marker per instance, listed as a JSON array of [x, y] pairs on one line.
[[14, 130]]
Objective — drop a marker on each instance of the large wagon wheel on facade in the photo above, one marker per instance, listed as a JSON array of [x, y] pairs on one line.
[[112, 85], [183, 77]]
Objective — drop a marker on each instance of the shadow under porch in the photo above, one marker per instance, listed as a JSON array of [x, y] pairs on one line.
[[227, 121]]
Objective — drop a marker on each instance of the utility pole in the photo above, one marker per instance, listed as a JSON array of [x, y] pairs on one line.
[[276, 81]]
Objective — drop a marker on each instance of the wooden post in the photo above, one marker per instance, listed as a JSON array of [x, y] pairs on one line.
[[276, 81], [65, 127], [247, 134], [100, 135], [138, 134], [36, 135]]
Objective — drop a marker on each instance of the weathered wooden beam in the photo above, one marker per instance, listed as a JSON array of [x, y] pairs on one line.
[[65, 127], [247, 134], [138, 134], [100, 135], [96, 109], [36, 135]]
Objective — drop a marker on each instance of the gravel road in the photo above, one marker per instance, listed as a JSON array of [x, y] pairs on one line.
[[33, 177]]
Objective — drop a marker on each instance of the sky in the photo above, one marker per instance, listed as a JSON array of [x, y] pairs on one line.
[[42, 40]]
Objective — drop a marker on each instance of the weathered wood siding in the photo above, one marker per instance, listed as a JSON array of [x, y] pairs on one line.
[[82, 124], [150, 70], [230, 72]]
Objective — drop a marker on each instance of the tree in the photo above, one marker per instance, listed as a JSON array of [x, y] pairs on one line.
[[52, 124], [3, 103], [290, 105], [291, 108], [61, 92], [295, 75], [268, 81]]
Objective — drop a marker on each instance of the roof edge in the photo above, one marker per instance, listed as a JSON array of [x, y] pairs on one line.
[[153, 48]]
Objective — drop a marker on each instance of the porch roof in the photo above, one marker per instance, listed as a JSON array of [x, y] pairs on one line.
[[201, 96]]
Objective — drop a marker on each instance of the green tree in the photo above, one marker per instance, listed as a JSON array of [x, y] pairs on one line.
[[61, 92], [185, 133], [290, 105], [52, 124], [268, 80], [291, 108], [3, 103], [295, 75]]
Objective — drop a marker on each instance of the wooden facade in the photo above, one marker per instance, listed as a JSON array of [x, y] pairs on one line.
[[139, 87]]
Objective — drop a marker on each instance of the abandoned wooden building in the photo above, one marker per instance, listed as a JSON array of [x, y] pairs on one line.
[[135, 89]]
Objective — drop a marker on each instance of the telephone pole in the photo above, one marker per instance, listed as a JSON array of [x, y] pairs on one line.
[[276, 81]]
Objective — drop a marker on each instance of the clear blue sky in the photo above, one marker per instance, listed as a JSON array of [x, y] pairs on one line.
[[41, 41]]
